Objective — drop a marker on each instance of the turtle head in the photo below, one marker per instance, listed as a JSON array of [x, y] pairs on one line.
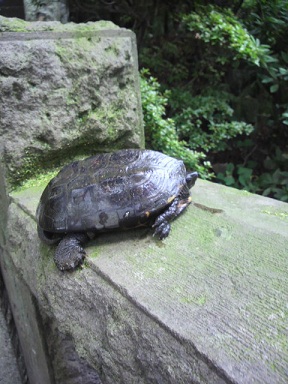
[[191, 178]]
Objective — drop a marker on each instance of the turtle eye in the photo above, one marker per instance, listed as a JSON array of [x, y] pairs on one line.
[[191, 179]]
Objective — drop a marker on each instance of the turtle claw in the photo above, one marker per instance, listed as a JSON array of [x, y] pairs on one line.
[[162, 230], [69, 253]]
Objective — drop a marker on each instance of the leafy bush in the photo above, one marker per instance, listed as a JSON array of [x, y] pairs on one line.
[[268, 20], [206, 122], [272, 183], [222, 28], [222, 70], [160, 132]]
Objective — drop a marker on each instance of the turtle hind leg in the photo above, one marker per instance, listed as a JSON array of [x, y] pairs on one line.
[[69, 252], [162, 225]]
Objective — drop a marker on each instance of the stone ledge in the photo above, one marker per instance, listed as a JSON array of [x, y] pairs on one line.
[[9, 372], [207, 305], [66, 90]]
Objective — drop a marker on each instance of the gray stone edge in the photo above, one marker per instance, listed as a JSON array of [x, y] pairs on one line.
[[52, 35], [206, 366]]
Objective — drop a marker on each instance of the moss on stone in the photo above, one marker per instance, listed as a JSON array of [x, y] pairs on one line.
[[217, 284], [36, 169], [12, 25], [80, 136], [113, 49], [199, 300], [18, 25], [41, 180], [84, 145], [281, 214]]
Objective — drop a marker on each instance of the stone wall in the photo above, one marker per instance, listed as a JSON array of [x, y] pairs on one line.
[[207, 305], [65, 90]]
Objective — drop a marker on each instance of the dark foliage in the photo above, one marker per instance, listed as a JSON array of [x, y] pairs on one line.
[[223, 70]]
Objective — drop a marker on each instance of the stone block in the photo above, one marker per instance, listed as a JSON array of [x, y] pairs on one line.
[[47, 11], [9, 372], [65, 91], [206, 305]]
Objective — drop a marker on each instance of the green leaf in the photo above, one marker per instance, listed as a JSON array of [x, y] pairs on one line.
[[283, 71], [266, 192], [267, 80], [274, 88], [229, 180]]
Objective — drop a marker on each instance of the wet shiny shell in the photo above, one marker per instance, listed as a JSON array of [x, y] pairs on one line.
[[121, 189]]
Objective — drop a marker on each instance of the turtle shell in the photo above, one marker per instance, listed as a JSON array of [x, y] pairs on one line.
[[110, 190]]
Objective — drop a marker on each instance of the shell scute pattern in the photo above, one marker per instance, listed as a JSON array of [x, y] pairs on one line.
[[123, 189], [110, 190]]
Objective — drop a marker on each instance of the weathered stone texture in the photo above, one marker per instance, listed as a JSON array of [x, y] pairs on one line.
[[207, 305], [67, 366], [65, 91], [9, 372], [47, 11], [111, 333]]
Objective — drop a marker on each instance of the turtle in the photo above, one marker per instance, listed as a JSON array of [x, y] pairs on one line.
[[122, 189]]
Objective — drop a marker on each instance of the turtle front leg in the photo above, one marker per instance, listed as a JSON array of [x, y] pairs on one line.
[[162, 225], [69, 252]]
